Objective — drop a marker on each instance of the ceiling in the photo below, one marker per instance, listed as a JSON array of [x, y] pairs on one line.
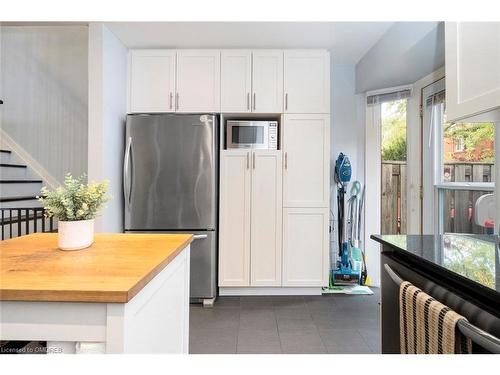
[[347, 41]]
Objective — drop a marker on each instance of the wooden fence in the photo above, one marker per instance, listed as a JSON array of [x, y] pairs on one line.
[[394, 205], [458, 204]]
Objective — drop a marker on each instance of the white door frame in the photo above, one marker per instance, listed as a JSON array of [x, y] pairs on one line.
[[373, 181]]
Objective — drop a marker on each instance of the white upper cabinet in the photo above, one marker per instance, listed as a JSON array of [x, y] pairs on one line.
[[306, 81], [151, 86], [306, 147], [472, 69], [198, 81], [267, 74], [236, 80]]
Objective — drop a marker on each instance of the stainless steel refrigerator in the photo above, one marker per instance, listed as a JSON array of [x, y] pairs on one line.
[[170, 184]]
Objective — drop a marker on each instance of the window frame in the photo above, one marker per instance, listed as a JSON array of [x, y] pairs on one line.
[[437, 148]]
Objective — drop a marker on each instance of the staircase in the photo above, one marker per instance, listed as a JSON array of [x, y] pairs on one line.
[[21, 213], [18, 186]]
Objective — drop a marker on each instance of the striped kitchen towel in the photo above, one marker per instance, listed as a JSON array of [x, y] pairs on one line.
[[427, 326]]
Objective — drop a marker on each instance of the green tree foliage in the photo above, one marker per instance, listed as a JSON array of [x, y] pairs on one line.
[[474, 135], [474, 259], [394, 131]]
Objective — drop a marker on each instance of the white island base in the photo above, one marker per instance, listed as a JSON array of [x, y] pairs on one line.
[[156, 320]]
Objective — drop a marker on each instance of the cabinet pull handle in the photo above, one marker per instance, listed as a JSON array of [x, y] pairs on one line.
[[177, 100], [286, 160], [248, 160], [286, 101], [171, 96], [254, 97], [253, 156], [248, 100]]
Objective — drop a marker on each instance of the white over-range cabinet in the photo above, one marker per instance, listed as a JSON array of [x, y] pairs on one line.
[[274, 204], [174, 81], [251, 81], [472, 70]]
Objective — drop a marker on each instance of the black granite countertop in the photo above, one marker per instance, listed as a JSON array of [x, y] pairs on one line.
[[471, 261]]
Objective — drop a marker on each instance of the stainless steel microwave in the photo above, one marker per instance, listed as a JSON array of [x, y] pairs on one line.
[[252, 134]]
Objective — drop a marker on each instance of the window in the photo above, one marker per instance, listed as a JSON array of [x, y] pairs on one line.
[[458, 144], [464, 160], [393, 156]]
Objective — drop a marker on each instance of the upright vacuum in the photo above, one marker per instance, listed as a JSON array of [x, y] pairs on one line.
[[351, 264]]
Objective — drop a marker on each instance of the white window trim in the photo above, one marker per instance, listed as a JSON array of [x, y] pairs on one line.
[[439, 186], [373, 178]]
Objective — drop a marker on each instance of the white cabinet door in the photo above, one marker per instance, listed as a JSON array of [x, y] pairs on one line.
[[305, 247], [151, 85], [236, 80], [266, 218], [307, 81], [198, 81], [306, 147], [267, 75], [472, 68], [234, 221]]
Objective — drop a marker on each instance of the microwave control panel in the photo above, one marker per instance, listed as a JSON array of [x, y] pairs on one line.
[[273, 135]]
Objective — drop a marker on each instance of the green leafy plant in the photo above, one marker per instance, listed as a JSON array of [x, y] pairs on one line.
[[75, 200], [394, 131]]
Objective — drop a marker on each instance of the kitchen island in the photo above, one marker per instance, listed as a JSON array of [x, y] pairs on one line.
[[461, 271], [127, 293]]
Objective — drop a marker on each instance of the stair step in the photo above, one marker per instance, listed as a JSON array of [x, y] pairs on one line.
[[17, 199], [7, 157], [21, 181], [15, 203], [23, 188], [12, 172], [8, 165]]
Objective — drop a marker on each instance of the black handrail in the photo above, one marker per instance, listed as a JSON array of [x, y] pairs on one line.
[[20, 221]]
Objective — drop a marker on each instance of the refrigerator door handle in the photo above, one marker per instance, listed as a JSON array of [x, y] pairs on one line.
[[199, 237], [126, 179]]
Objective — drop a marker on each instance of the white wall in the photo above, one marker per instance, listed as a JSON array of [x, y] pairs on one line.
[[347, 130], [107, 112], [44, 87], [404, 54]]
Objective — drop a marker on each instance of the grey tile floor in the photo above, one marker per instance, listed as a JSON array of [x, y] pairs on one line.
[[287, 324]]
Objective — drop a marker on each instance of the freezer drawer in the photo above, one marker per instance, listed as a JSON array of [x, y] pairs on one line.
[[203, 263]]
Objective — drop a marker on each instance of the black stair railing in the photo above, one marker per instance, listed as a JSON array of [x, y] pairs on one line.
[[18, 221]]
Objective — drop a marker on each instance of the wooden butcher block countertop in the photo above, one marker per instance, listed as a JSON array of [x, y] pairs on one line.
[[114, 269]]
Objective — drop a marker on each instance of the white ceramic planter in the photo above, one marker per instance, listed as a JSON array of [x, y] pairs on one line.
[[75, 235]]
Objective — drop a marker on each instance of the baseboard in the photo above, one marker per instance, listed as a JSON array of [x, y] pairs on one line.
[[270, 291], [32, 163]]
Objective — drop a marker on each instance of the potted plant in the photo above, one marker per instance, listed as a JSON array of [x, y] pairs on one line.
[[75, 205]]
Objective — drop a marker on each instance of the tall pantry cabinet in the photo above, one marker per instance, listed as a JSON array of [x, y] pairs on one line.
[[274, 204]]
